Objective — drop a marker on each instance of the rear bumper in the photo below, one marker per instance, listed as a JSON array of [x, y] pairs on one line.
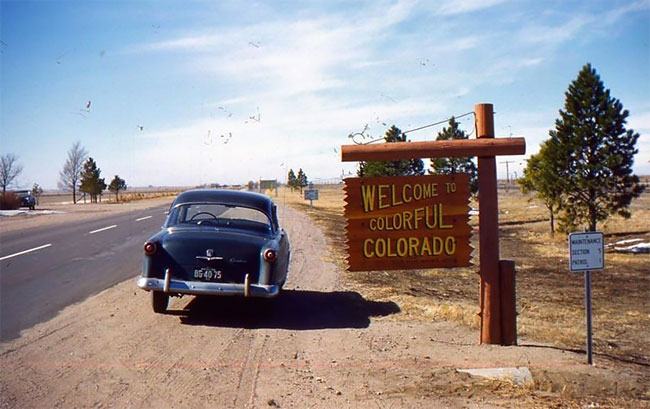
[[204, 288]]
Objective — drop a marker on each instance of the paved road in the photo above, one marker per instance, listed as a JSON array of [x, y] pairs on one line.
[[43, 270]]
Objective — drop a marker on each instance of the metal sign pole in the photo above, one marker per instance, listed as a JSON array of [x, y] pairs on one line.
[[590, 343], [587, 253]]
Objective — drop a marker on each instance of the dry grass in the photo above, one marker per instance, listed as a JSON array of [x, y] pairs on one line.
[[550, 299], [132, 197]]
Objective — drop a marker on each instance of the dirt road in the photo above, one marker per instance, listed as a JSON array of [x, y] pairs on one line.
[[318, 346]]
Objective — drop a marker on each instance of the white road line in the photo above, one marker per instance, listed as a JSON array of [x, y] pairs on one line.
[[25, 252], [143, 218], [103, 228]]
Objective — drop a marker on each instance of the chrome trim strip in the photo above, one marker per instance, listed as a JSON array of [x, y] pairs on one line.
[[204, 288], [209, 258]]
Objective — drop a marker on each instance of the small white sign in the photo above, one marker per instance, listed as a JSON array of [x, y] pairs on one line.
[[586, 251]]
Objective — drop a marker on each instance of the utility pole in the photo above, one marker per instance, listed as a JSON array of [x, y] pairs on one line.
[[507, 162]]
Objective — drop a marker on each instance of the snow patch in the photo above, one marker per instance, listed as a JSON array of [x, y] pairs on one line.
[[10, 213], [641, 248], [628, 241]]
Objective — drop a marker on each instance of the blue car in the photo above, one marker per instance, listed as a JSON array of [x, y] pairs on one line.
[[26, 199], [216, 242]]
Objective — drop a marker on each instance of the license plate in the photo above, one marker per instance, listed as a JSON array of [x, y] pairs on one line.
[[207, 274]]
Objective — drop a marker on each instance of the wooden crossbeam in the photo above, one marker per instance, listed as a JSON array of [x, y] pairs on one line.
[[434, 149]]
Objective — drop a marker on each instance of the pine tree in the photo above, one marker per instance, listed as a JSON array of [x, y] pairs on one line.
[[291, 180], [301, 180], [541, 177], [392, 168], [91, 183], [593, 154], [116, 185], [447, 166]]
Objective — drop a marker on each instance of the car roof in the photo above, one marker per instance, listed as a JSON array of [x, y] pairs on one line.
[[234, 197]]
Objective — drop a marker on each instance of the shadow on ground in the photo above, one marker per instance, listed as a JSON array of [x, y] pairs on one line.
[[292, 310]]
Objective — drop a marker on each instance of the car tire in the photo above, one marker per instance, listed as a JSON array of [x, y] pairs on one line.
[[159, 301]]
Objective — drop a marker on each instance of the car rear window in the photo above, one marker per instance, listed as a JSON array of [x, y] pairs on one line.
[[219, 215]]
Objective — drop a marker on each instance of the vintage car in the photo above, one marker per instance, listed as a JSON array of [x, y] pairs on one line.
[[216, 242], [26, 199]]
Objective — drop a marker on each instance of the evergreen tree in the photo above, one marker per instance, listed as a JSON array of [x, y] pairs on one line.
[[447, 166], [291, 180], [540, 176], [116, 185], [392, 168], [301, 180], [593, 154], [91, 183]]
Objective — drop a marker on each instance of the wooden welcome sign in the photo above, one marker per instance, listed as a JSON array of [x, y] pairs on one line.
[[408, 222], [371, 249]]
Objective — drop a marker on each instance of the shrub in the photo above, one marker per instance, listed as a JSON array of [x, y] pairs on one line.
[[9, 201]]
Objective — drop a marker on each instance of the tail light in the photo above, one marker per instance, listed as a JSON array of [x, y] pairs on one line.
[[270, 255], [149, 248]]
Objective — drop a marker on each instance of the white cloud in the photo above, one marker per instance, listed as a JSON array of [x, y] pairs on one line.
[[451, 7], [457, 45], [615, 15], [553, 35], [641, 123], [192, 43]]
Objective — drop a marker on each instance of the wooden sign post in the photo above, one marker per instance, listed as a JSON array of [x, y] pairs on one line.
[[497, 289]]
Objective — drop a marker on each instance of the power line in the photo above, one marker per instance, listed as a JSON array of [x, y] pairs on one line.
[[414, 129], [438, 123]]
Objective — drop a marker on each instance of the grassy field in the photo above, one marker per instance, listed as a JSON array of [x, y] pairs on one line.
[[550, 299]]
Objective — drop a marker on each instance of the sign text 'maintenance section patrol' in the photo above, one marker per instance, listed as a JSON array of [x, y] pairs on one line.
[[408, 222]]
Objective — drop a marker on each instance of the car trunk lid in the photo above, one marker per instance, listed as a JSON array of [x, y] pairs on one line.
[[200, 253]]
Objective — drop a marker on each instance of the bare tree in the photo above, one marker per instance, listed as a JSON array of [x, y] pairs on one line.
[[70, 175], [9, 170]]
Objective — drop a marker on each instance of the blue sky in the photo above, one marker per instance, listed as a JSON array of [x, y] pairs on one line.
[[185, 93]]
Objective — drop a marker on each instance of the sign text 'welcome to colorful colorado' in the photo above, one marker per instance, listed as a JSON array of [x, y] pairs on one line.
[[408, 222]]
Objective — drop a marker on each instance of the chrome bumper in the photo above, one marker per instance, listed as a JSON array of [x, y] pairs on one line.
[[203, 288]]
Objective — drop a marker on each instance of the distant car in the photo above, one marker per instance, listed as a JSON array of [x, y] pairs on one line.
[[216, 242], [26, 199]]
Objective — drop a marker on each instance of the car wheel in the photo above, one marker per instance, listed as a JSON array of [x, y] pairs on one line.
[[159, 301]]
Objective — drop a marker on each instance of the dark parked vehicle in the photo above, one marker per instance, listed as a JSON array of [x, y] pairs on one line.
[[216, 242], [26, 199]]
